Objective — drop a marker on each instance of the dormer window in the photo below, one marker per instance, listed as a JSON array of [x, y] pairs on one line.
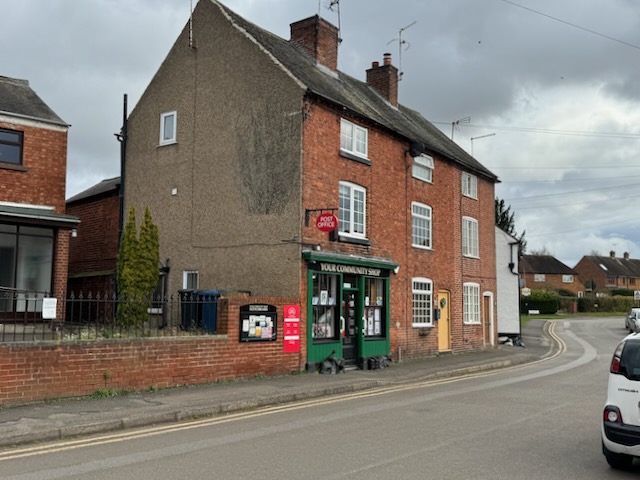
[[353, 139], [168, 122]]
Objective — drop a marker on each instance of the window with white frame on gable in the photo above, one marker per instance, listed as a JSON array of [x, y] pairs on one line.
[[469, 185], [422, 302], [190, 279], [422, 168], [168, 124], [353, 139], [471, 303], [470, 246], [567, 278], [539, 277], [420, 225], [352, 212], [10, 146]]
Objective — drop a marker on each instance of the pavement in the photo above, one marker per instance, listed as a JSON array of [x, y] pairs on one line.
[[58, 419]]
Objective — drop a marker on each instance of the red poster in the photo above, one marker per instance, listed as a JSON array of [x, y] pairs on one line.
[[291, 328]]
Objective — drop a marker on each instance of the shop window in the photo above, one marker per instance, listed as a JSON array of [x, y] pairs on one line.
[[374, 307], [27, 266], [325, 308]]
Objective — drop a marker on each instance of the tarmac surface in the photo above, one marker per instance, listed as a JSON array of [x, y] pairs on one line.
[[54, 420]]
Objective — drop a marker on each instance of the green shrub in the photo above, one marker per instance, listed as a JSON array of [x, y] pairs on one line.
[[545, 301], [606, 304], [623, 292]]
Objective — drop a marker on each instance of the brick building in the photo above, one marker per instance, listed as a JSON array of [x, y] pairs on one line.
[[93, 251], [547, 272], [601, 274], [34, 228], [243, 140]]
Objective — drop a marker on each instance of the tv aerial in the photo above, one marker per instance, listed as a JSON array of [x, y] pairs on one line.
[[401, 43], [334, 6]]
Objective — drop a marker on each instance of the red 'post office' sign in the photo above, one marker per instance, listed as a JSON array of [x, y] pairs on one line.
[[327, 222]]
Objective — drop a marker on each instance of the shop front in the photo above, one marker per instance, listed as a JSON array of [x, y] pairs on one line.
[[348, 308]]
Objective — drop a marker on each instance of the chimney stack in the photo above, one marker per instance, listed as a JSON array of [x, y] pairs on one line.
[[318, 38], [626, 255], [612, 254], [384, 79]]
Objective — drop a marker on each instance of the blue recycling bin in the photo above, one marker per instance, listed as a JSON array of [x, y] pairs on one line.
[[208, 303]]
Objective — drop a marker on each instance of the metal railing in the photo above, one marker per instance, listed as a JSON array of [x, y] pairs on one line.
[[103, 315]]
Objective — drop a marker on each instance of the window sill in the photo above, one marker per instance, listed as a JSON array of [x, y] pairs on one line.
[[165, 144], [357, 241], [13, 166], [473, 257], [421, 247], [353, 156]]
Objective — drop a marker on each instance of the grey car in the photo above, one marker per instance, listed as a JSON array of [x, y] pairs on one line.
[[632, 320]]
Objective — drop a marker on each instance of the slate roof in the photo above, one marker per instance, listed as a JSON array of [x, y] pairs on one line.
[[358, 97], [617, 267], [18, 99], [105, 186], [546, 264]]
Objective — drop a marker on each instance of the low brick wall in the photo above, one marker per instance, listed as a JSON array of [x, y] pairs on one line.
[[48, 370]]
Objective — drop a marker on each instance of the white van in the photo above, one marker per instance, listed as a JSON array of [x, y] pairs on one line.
[[621, 419]]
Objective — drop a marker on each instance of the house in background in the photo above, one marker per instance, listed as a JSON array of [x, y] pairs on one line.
[[601, 274], [247, 147], [547, 272], [508, 284], [34, 228], [93, 251]]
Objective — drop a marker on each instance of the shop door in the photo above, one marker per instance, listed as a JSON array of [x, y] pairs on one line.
[[350, 307], [444, 323]]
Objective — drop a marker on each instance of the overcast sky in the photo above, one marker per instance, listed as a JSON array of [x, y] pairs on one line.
[[550, 88]]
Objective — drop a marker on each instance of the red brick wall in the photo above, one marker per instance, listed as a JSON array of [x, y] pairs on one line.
[[55, 370], [390, 191], [44, 157], [553, 282], [96, 246]]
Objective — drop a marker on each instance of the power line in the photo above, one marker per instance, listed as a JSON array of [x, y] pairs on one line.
[[577, 133], [575, 167], [536, 197], [572, 25]]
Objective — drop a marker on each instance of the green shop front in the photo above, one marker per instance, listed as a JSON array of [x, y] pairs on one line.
[[348, 308]]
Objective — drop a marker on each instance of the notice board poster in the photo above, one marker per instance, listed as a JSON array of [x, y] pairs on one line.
[[291, 328], [257, 323]]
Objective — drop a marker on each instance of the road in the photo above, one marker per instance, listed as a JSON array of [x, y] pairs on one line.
[[538, 421]]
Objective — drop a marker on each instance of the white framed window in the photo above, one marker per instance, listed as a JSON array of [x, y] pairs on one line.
[[353, 138], [190, 279], [422, 301], [352, 212], [567, 278], [422, 168], [420, 225], [471, 303], [168, 121], [539, 277], [470, 237], [469, 185]]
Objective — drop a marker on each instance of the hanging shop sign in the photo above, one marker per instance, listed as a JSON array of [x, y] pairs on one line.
[[291, 328], [327, 222], [257, 323]]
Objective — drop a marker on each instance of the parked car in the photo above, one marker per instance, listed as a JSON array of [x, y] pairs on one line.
[[632, 320], [621, 418]]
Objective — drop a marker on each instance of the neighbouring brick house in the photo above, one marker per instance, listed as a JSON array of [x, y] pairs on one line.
[[94, 250], [601, 274], [34, 228], [242, 140], [547, 272]]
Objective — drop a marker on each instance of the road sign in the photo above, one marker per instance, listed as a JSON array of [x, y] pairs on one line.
[[526, 292]]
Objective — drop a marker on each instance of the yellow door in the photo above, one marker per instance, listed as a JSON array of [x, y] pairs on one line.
[[444, 323]]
